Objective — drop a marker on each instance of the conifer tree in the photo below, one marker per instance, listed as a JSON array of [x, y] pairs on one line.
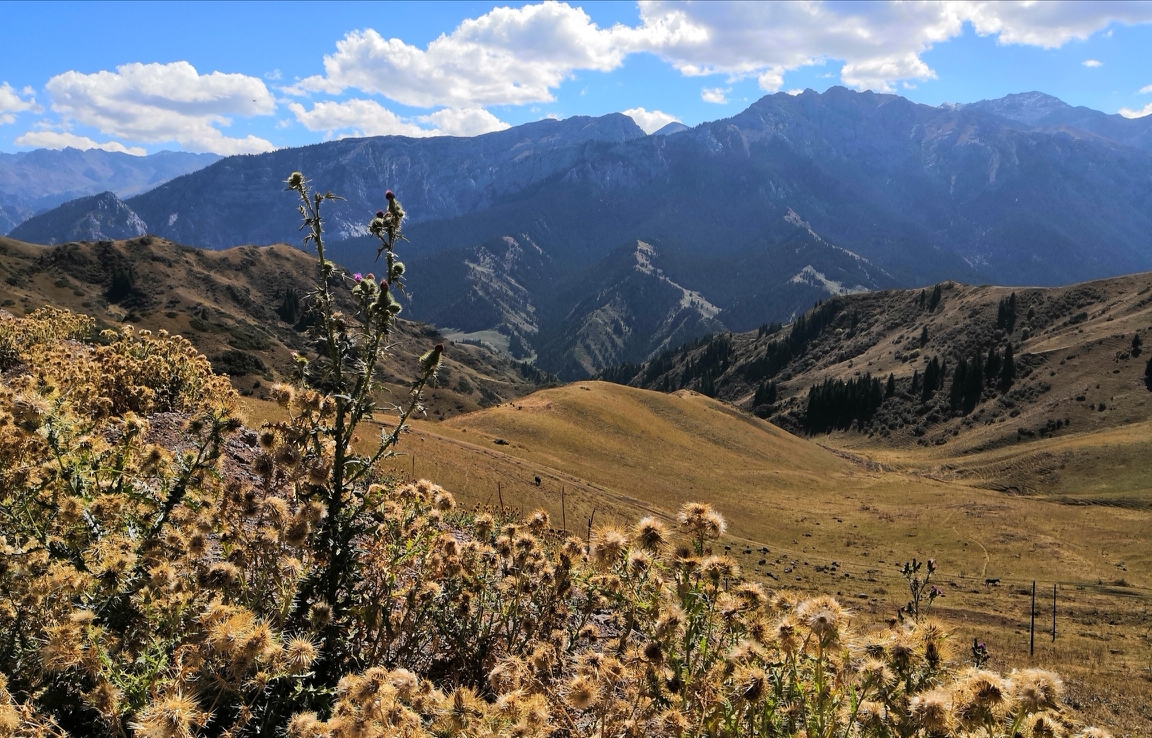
[[1007, 368]]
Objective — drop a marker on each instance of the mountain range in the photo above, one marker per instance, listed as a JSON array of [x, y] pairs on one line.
[[585, 243], [35, 181]]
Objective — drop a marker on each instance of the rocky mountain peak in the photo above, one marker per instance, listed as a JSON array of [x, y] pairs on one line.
[[102, 217]]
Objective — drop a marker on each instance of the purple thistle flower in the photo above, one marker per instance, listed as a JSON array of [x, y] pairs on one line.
[[357, 276]]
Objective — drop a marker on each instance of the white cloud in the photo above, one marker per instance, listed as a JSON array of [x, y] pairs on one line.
[[1092, 63], [1129, 113], [1146, 90], [795, 92], [718, 95], [517, 56], [155, 103], [464, 122], [650, 120], [59, 140], [508, 56], [13, 102], [358, 117], [273, 75]]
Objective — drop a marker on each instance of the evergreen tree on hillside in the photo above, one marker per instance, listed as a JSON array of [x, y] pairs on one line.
[[891, 388], [923, 336], [934, 300], [933, 379], [765, 394], [992, 365], [1006, 313], [1007, 368], [836, 404]]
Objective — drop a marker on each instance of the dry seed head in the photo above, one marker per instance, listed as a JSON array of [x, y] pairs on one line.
[[538, 521], [299, 654], [608, 545], [750, 684], [288, 456], [172, 716], [651, 534], [443, 501], [1036, 689], [267, 439], [1044, 726], [932, 711], [823, 616]]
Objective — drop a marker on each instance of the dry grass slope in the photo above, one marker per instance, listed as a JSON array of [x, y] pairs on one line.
[[228, 301], [831, 521]]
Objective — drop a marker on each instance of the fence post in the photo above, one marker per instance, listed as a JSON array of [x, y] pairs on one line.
[[500, 496], [1053, 612], [1032, 623], [563, 514]]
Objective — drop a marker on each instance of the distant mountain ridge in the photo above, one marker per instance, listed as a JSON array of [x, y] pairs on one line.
[[531, 233], [102, 217], [34, 181]]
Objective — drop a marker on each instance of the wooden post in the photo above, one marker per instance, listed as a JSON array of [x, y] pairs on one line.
[[563, 514], [500, 495], [1053, 612], [1032, 624], [413, 467], [591, 517]]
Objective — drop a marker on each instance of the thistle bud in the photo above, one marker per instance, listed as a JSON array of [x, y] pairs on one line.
[[295, 181], [431, 359], [379, 213], [389, 197]]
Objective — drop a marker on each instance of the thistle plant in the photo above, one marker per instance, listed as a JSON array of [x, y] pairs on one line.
[[918, 575], [343, 374]]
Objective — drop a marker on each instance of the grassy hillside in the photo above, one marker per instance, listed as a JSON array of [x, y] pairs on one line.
[[238, 306], [1077, 372], [831, 520]]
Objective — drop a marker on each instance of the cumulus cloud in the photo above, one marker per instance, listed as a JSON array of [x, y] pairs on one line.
[[155, 103], [62, 140], [13, 102], [463, 122], [879, 43], [1146, 90], [1092, 63], [650, 120], [358, 117], [1130, 113], [718, 95], [517, 56], [509, 56]]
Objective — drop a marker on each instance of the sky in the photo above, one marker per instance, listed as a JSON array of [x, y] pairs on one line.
[[236, 78]]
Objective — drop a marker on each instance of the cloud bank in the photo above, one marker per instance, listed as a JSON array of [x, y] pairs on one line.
[[157, 103]]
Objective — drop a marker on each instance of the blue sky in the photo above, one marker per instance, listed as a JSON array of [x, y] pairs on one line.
[[240, 78]]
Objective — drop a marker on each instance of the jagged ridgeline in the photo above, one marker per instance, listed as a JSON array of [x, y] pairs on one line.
[[924, 365], [168, 572]]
